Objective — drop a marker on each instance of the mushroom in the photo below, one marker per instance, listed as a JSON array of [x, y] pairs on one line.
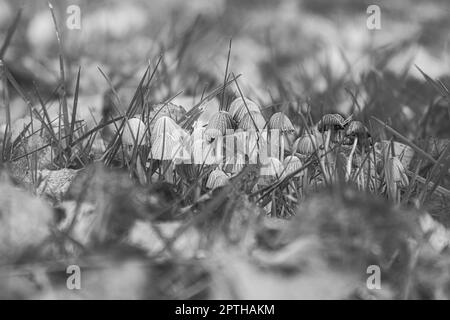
[[252, 121], [217, 178], [330, 124], [218, 125], [292, 164], [166, 143], [357, 131], [166, 125], [271, 170], [306, 145], [279, 127], [395, 177], [279, 121], [238, 108], [169, 109], [133, 132]]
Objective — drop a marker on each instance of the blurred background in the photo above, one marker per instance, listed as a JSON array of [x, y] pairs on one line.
[[318, 52]]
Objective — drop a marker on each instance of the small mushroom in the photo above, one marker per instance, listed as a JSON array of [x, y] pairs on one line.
[[357, 131], [395, 176], [238, 108], [134, 132], [292, 164], [279, 121], [271, 170], [218, 125], [166, 125], [169, 109], [306, 144], [217, 178], [252, 121], [330, 124]]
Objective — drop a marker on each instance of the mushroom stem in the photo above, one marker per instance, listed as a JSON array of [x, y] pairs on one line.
[[327, 140], [350, 159]]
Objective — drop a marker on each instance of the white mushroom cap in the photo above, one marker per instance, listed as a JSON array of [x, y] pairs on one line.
[[134, 132]]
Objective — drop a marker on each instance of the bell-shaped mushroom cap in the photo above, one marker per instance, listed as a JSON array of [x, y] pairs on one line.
[[165, 147], [306, 144], [170, 110], [332, 121], [166, 125], [272, 167], [217, 178], [218, 125], [291, 164], [251, 119], [404, 152], [395, 172], [238, 109], [133, 132], [356, 128], [279, 121]]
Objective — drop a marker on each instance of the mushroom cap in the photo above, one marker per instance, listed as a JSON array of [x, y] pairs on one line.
[[164, 147], [247, 123], [279, 121], [217, 178], [134, 131], [291, 164], [218, 125], [305, 144], [238, 109], [356, 128], [166, 125], [170, 110], [333, 121], [396, 172], [272, 167]]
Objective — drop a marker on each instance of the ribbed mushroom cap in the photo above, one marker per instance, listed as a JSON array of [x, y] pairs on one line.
[[247, 123], [166, 125], [291, 164], [167, 110], [133, 131], [238, 109], [305, 144], [279, 121], [332, 121], [217, 178], [218, 125], [272, 167], [356, 128], [164, 147]]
